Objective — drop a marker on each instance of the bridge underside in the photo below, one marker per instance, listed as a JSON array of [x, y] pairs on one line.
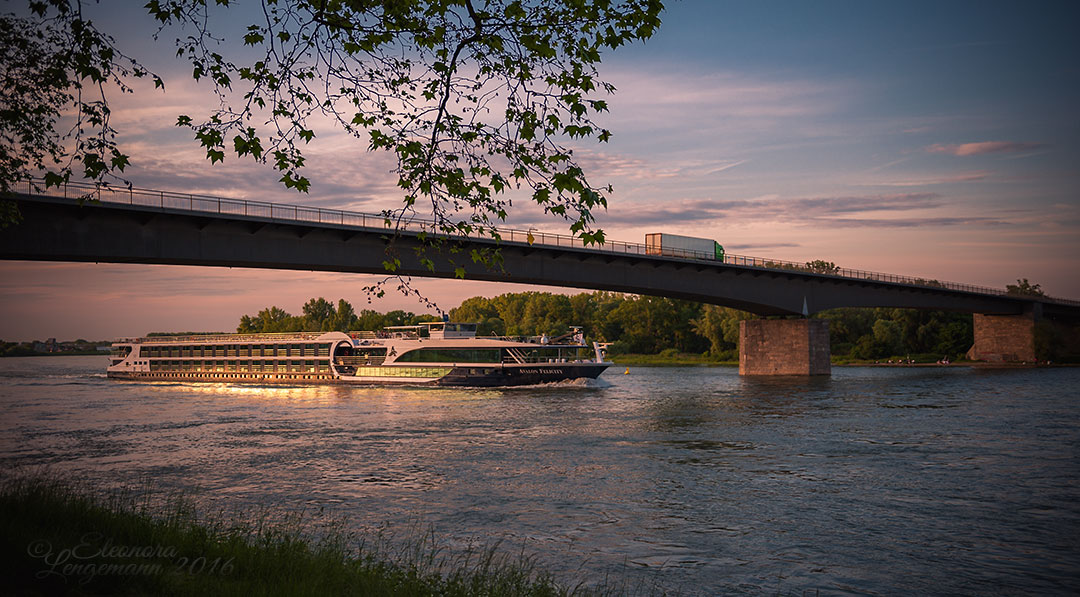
[[55, 229]]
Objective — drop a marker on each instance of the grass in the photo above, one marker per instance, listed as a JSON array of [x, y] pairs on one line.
[[63, 539]]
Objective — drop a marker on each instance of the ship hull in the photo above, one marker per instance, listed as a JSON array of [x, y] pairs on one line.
[[521, 375], [477, 376]]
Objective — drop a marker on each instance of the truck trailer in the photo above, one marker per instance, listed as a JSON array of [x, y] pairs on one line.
[[673, 245]]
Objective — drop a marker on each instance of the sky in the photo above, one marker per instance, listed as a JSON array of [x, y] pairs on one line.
[[933, 139]]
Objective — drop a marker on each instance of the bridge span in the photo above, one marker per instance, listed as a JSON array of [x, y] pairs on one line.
[[137, 226]]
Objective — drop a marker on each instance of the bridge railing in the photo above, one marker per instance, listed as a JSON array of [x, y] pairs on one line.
[[302, 213]]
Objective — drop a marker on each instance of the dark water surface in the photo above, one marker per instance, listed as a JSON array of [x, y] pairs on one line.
[[879, 481]]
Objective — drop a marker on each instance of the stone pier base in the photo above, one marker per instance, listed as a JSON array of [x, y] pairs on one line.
[[784, 347], [1003, 338]]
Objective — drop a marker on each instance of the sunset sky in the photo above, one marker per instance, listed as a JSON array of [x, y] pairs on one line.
[[932, 139]]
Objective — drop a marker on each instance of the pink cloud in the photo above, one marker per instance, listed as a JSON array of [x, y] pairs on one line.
[[962, 177], [634, 168], [966, 149], [807, 211]]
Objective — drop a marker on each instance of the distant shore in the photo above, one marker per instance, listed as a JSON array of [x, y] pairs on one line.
[[84, 353]]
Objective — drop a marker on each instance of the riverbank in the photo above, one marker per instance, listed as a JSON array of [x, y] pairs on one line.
[[695, 360], [60, 539], [670, 360]]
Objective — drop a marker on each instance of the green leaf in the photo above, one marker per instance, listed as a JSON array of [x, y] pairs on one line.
[[119, 161], [53, 179]]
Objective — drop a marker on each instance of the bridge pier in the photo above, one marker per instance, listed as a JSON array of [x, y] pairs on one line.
[[1003, 338], [784, 347]]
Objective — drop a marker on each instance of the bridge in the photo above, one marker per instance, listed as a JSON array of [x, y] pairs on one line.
[[86, 223]]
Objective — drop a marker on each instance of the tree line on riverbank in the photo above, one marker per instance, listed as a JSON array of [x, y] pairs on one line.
[[320, 315], [645, 324], [52, 347], [652, 325]]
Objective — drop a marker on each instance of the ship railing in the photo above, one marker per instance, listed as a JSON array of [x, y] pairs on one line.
[[227, 338], [360, 361], [383, 335], [533, 340], [398, 223], [547, 360], [518, 339], [513, 355]]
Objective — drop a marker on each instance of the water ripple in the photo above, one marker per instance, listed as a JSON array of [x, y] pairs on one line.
[[874, 481]]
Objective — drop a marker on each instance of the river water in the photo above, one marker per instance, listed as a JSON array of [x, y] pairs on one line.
[[874, 481]]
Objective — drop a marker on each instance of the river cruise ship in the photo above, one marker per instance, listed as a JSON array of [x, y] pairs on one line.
[[436, 353]]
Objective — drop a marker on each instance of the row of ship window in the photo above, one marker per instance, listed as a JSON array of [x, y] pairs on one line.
[[288, 367], [242, 366], [203, 376], [233, 350], [391, 371]]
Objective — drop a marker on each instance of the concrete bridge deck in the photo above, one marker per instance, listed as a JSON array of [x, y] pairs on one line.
[[129, 226]]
